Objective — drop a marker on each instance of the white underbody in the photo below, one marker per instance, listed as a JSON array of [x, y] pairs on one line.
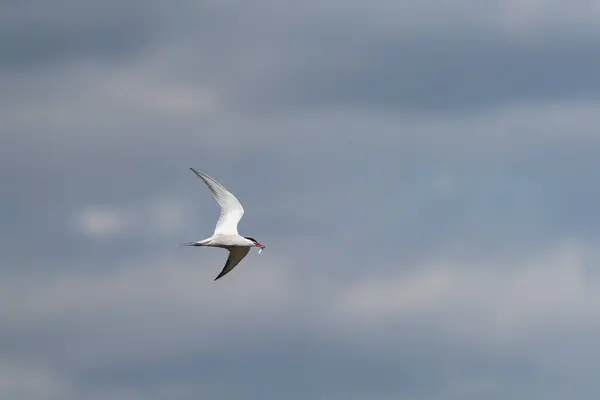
[[226, 241]]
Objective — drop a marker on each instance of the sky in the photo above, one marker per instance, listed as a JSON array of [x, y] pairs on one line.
[[423, 174]]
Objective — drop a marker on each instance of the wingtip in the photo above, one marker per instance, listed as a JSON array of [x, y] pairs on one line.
[[222, 274], [198, 174]]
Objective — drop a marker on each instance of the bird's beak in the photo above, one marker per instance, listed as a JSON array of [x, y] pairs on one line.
[[260, 247]]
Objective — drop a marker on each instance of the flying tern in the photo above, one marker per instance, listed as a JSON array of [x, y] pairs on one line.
[[226, 234]]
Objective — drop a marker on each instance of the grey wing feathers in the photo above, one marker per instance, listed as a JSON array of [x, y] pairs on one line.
[[236, 254]]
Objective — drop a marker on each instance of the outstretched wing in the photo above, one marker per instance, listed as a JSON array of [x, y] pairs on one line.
[[231, 209], [236, 254]]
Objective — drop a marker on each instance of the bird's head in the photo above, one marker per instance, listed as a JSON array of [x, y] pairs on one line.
[[255, 243]]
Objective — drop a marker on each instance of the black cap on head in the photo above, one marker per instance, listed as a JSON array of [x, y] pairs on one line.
[[249, 238]]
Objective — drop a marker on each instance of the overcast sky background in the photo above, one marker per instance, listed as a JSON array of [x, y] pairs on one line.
[[423, 173]]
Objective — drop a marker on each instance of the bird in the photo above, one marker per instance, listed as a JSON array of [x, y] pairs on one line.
[[226, 234]]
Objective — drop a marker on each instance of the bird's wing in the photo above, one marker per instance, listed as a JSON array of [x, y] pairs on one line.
[[236, 254], [231, 209]]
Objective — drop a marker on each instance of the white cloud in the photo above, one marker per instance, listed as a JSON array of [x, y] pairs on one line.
[[140, 91], [99, 221], [167, 215], [140, 310], [512, 18], [160, 215], [510, 303], [538, 17], [32, 383], [445, 183]]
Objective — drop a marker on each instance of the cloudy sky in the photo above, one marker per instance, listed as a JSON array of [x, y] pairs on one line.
[[423, 173]]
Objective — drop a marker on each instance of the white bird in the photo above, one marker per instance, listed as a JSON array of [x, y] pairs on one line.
[[226, 234]]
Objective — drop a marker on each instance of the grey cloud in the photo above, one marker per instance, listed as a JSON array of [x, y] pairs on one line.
[[168, 335], [410, 237], [421, 56], [43, 34], [456, 72], [528, 194]]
